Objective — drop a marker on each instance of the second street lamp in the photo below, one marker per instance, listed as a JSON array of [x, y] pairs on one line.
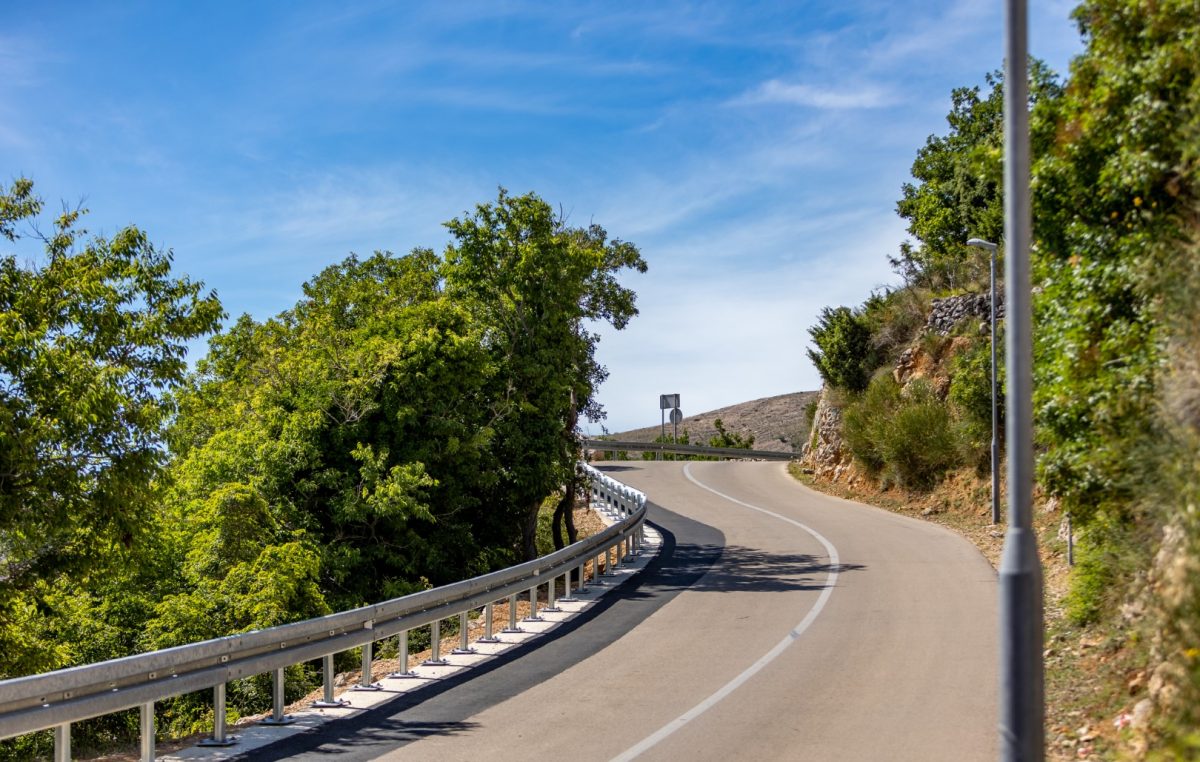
[[979, 243]]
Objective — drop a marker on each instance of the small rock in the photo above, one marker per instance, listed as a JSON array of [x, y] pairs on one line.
[[1141, 713]]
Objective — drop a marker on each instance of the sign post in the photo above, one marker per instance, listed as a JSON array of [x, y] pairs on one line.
[[667, 402]]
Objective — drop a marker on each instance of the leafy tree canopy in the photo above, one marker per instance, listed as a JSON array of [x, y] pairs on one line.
[[844, 354], [91, 337]]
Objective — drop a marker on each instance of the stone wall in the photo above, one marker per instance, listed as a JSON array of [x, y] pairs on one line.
[[945, 313]]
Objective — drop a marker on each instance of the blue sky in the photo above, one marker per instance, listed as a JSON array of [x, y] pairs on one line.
[[753, 151]]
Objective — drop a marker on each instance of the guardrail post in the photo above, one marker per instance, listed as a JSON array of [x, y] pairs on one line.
[[328, 701], [402, 657], [62, 742], [512, 615], [218, 737], [551, 608], [277, 716], [567, 597], [580, 580], [146, 731], [489, 624], [464, 644], [435, 644], [365, 683], [533, 612]]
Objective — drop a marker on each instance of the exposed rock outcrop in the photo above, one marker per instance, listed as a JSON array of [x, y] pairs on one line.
[[825, 454], [946, 313]]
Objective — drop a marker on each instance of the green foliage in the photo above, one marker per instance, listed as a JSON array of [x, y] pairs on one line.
[[535, 285], [1109, 203], [90, 339], [844, 355], [864, 420], [895, 317], [387, 433], [725, 438], [905, 435], [684, 438], [921, 442], [971, 394], [958, 192]]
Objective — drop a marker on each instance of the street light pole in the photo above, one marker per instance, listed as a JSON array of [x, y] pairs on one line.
[[1022, 692], [991, 247]]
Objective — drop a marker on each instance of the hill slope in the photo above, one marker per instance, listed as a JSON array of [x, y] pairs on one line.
[[776, 423]]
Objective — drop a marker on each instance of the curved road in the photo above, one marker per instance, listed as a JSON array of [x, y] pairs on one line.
[[779, 623]]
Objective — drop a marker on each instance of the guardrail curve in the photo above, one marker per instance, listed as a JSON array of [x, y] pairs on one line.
[[57, 699]]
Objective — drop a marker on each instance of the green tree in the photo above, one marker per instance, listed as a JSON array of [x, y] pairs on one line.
[[958, 194], [356, 426], [1113, 200], [535, 286], [90, 340], [844, 354]]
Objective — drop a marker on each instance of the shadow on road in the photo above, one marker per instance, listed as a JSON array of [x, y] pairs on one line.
[[737, 569]]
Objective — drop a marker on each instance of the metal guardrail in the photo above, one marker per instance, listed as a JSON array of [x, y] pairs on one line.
[[720, 452], [57, 699]]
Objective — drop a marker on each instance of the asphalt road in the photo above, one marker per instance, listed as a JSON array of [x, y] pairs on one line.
[[778, 623]]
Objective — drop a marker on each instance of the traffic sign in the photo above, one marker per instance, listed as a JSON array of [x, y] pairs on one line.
[[668, 401]]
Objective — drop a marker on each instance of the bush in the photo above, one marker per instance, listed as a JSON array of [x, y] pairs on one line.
[[864, 418], [920, 440], [971, 395], [844, 355], [895, 317], [908, 436]]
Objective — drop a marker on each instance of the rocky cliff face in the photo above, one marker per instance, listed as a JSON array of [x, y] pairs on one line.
[[928, 357], [825, 454]]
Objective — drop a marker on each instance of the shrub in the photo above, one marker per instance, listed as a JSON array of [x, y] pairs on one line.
[[907, 436], [971, 395], [920, 440], [864, 418], [895, 317], [844, 355]]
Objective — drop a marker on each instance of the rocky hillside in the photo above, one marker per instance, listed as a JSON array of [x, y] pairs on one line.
[[778, 423]]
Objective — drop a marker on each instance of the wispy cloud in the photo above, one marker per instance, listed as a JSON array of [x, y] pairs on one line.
[[775, 91]]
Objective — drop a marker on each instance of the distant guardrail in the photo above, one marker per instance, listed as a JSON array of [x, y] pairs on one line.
[[679, 449], [57, 699]]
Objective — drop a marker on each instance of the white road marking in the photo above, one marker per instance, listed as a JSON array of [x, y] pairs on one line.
[[830, 579]]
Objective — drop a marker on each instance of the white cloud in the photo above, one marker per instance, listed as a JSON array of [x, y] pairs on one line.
[[719, 336], [775, 91]]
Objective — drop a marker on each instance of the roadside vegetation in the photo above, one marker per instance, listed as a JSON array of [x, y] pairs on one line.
[[402, 426], [1117, 382]]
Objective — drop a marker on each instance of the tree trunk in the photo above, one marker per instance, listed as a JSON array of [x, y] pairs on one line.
[[529, 533], [564, 513], [572, 532]]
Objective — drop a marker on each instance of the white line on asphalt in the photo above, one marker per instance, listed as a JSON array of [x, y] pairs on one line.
[[830, 579]]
